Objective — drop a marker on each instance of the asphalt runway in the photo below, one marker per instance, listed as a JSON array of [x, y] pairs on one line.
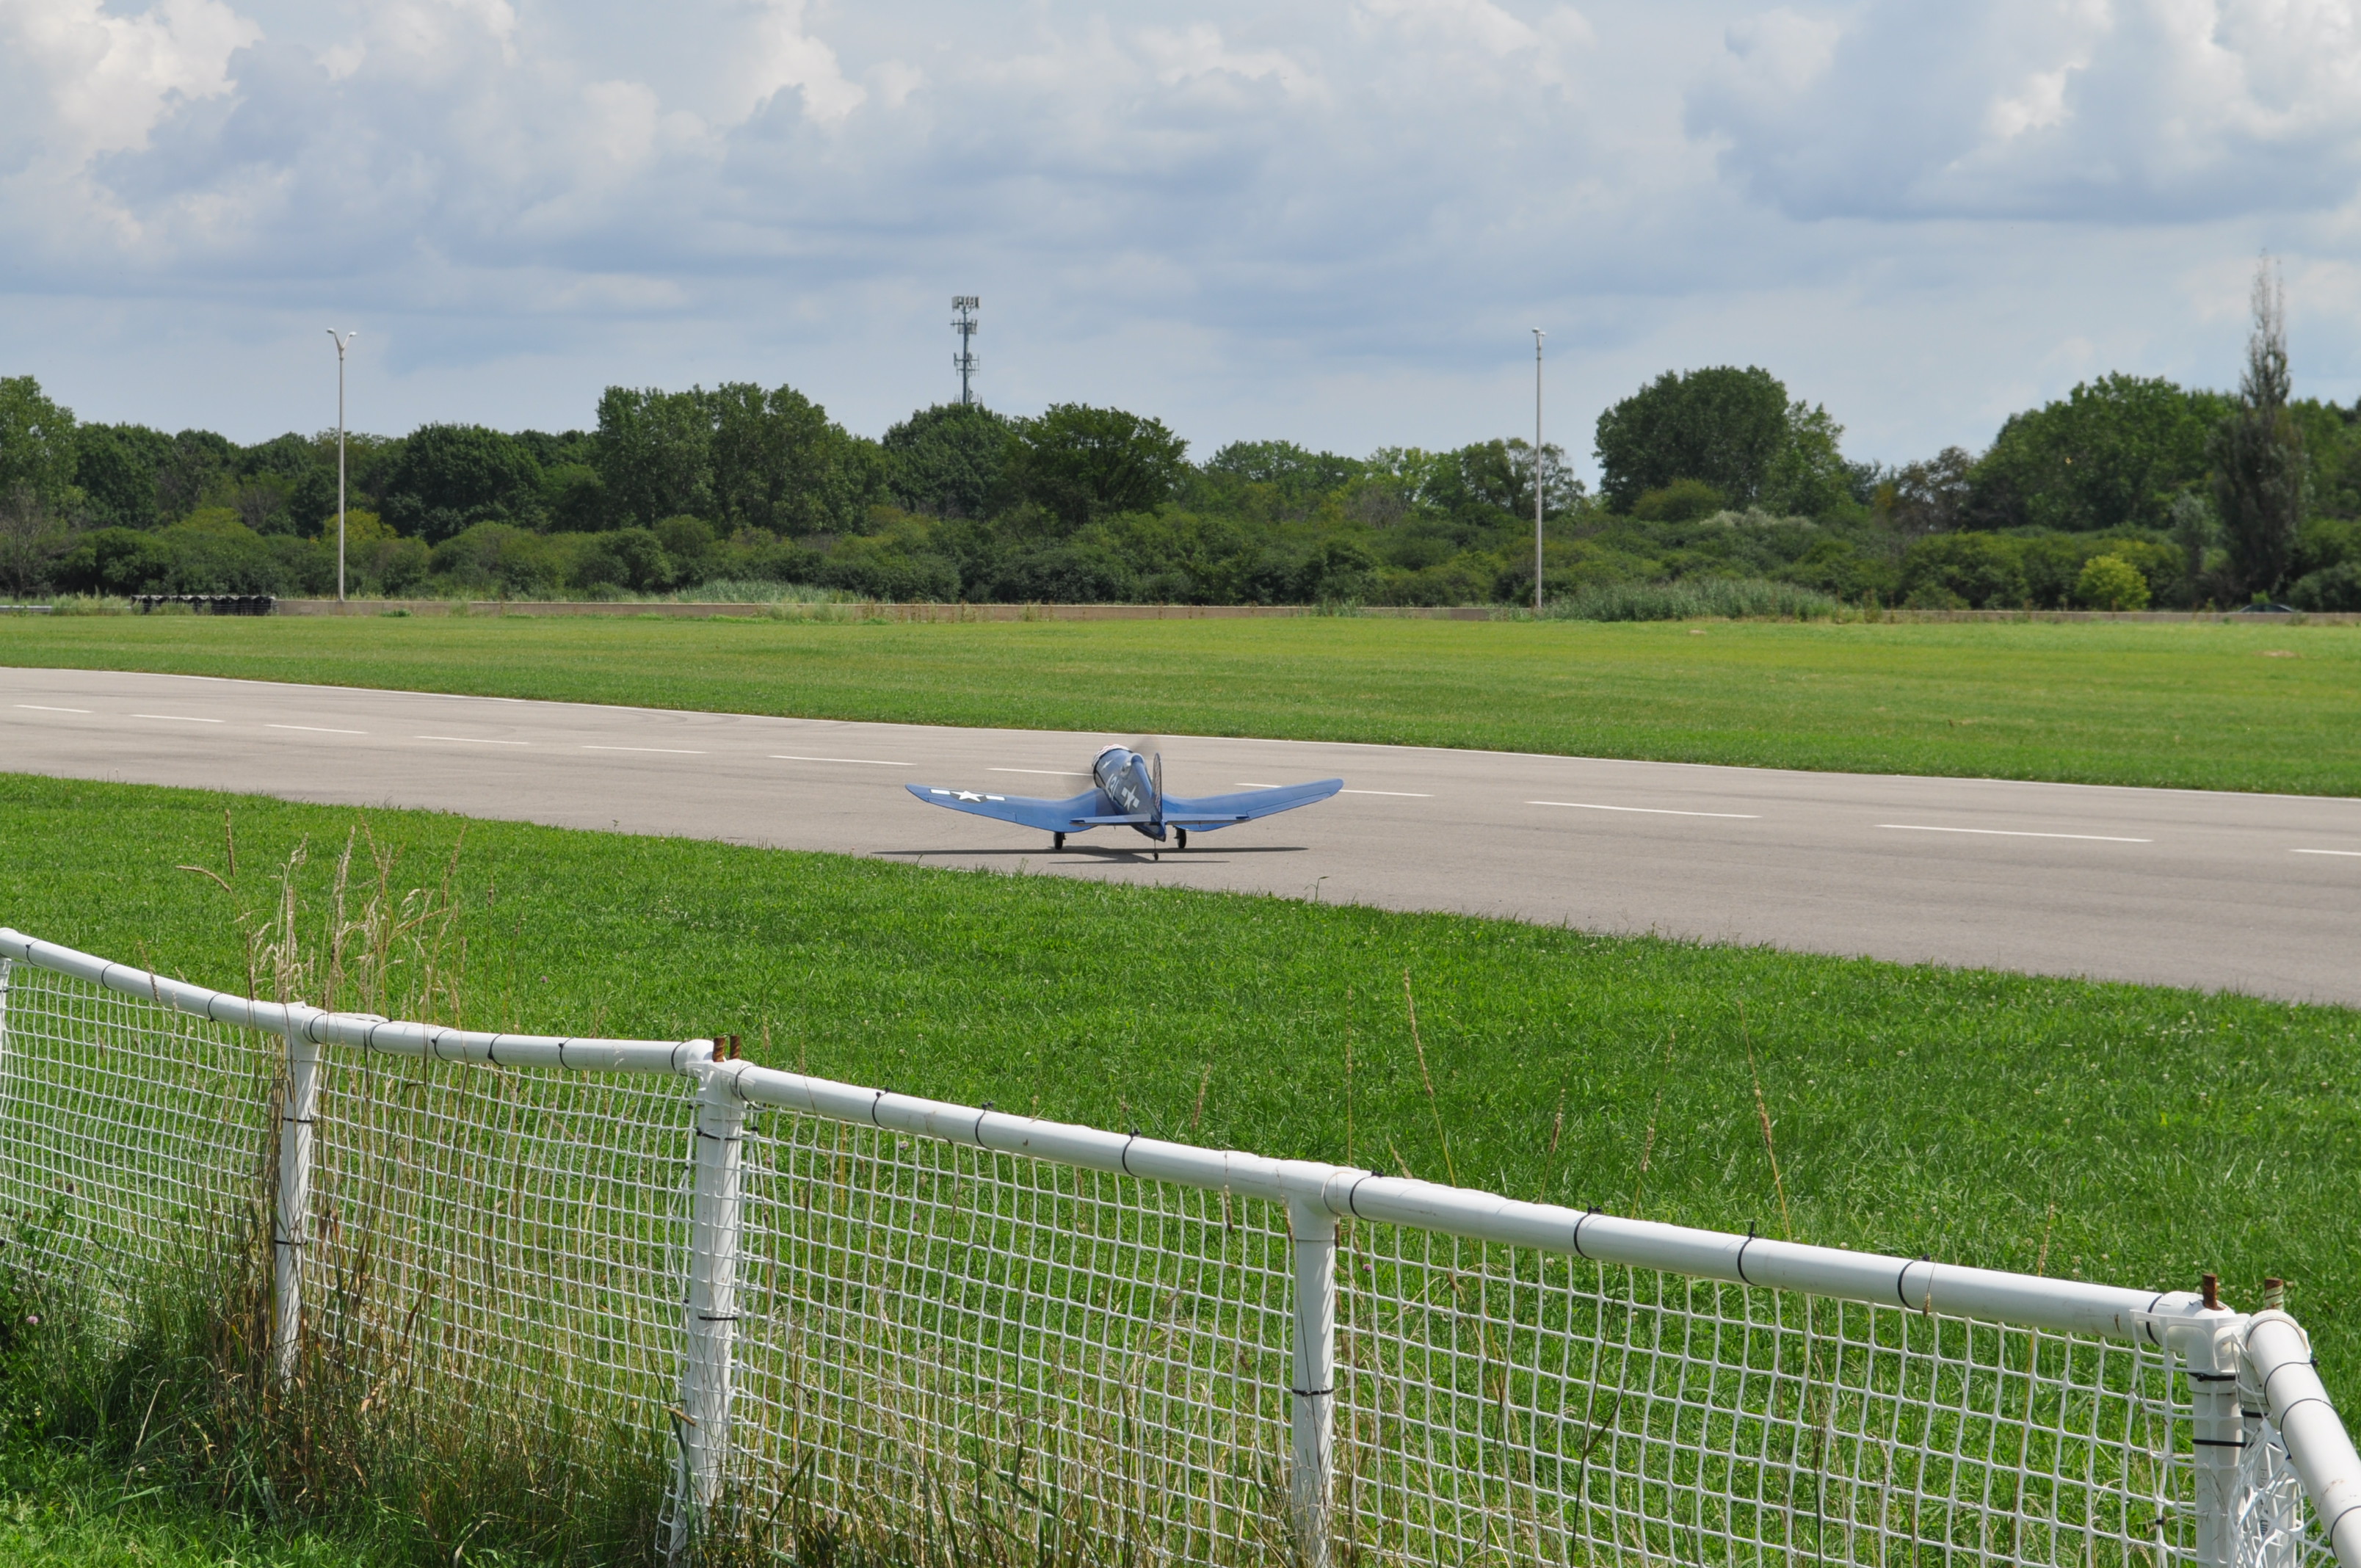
[[2252, 892]]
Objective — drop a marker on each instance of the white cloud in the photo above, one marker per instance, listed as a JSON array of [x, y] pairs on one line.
[[86, 81], [782, 54], [2122, 110], [1330, 221]]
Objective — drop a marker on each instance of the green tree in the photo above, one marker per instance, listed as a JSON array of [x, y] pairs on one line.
[[1079, 464], [653, 451], [452, 477], [2112, 453], [31, 538], [36, 445], [573, 497], [944, 461], [1920, 498], [1724, 426], [287, 485], [780, 462], [199, 465], [1809, 477], [2257, 452], [116, 467], [2194, 530]]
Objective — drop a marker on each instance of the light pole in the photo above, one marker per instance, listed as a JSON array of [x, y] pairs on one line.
[[1537, 471], [340, 343]]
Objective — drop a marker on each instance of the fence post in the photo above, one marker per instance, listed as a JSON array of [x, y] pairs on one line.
[[2208, 1344], [716, 1223], [290, 1229], [1311, 1384]]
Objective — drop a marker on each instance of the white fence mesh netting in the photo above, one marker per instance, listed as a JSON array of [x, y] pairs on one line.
[[931, 1336]]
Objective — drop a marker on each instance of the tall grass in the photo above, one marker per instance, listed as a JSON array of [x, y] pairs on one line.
[[501, 1453], [1696, 598], [184, 1399], [172, 1380]]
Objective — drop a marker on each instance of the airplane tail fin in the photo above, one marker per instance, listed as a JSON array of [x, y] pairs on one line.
[[1157, 810]]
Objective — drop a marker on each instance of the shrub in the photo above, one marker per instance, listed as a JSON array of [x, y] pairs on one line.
[[1682, 500], [1979, 571], [391, 566], [631, 558], [2110, 582], [2331, 588], [498, 556], [881, 569], [689, 542], [116, 561], [1730, 598]]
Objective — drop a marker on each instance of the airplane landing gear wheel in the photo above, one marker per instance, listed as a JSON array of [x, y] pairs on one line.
[[1056, 840], [1182, 834]]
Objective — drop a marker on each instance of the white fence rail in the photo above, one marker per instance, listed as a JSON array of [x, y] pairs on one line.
[[909, 1316]]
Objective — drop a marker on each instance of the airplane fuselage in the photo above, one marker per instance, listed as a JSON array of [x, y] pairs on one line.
[[1126, 777]]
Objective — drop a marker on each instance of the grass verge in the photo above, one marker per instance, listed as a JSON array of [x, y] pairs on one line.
[[2113, 1132], [64, 1507], [2189, 706]]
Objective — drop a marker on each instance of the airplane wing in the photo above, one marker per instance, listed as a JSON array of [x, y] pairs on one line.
[[1087, 809], [1206, 813]]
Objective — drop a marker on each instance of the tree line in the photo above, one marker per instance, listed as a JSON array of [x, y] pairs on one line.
[[2128, 492]]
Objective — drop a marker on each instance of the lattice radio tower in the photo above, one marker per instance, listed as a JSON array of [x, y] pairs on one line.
[[965, 361]]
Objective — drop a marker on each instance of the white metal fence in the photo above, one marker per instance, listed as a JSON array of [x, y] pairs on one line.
[[906, 1315]]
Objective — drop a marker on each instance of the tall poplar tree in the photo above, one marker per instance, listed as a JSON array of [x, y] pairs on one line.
[[2257, 452]]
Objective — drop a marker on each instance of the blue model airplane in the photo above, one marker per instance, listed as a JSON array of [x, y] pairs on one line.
[[1129, 794]]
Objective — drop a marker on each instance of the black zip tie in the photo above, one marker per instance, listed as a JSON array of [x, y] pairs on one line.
[[982, 1112], [1741, 1254], [1126, 1160], [2213, 1377], [2219, 1441], [1353, 1193], [1577, 1232], [873, 1109]]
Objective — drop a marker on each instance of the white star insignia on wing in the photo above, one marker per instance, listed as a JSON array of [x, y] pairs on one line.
[[969, 794]]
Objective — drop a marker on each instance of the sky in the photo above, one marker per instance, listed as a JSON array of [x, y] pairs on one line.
[[1331, 223]]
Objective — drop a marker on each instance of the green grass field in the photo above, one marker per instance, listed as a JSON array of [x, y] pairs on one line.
[[67, 1510], [2210, 706], [1918, 1110], [2116, 1133]]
